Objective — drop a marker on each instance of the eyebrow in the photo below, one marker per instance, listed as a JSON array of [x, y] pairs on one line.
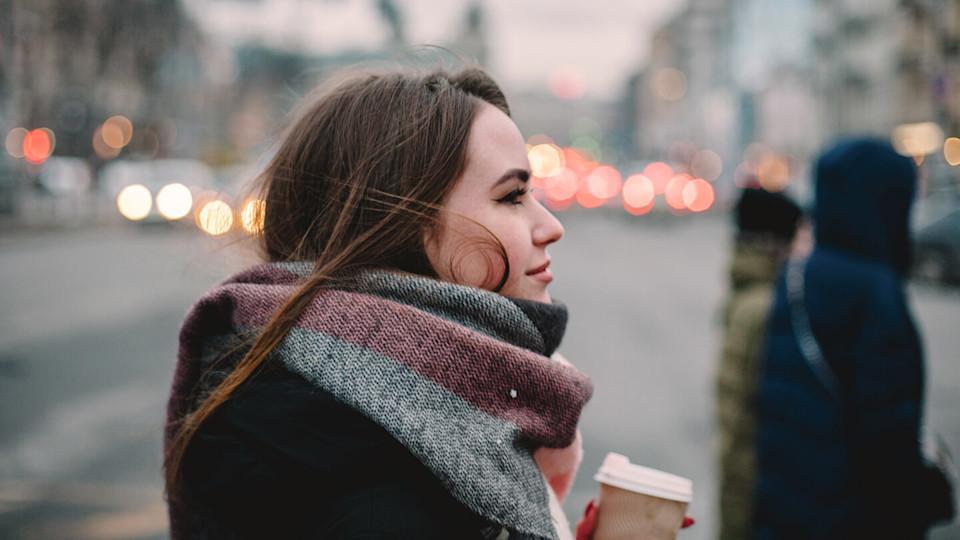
[[520, 174]]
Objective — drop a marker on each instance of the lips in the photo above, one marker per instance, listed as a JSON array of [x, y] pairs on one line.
[[542, 273], [538, 269]]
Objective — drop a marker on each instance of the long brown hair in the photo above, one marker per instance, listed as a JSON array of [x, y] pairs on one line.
[[356, 181]]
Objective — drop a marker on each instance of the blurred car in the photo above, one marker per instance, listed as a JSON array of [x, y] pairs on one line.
[[937, 250], [65, 177], [156, 190]]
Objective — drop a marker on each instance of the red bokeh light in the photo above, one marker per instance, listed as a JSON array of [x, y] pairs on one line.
[[567, 82], [603, 182], [674, 191], [562, 186], [638, 211], [37, 146], [556, 205], [587, 199], [576, 162], [660, 174], [638, 191], [698, 195]]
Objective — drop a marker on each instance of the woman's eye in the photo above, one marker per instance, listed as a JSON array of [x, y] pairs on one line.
[[514, 197]]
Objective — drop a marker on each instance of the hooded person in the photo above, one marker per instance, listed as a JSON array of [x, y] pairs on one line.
[[843, 460], [766, 226]]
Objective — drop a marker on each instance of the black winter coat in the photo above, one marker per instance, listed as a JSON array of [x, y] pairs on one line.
[[850, 468], [318, 469]]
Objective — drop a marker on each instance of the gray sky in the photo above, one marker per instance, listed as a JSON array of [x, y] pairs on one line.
[[601, 41]]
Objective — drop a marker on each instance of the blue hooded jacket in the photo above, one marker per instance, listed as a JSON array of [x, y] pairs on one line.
[[847, 468]]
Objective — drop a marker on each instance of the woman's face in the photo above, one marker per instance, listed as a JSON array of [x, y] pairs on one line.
[[494, 191]]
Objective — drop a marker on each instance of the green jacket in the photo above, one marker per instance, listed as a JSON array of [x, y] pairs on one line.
[[752, 272]]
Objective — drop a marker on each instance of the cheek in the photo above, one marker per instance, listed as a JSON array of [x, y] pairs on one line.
[[467, 254], [517, 252]]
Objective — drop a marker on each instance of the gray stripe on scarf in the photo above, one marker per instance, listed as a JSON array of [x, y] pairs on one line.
[[467, 306], [468, 450]]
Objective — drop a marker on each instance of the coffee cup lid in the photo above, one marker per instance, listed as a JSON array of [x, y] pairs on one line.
[[617, 471]]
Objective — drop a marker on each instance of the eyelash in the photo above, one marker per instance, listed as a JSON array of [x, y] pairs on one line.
[[513, 197]]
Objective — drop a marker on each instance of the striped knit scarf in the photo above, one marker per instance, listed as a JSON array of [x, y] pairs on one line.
[[460, 376]]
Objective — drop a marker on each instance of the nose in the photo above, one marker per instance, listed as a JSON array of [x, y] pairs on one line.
[[547, 229]]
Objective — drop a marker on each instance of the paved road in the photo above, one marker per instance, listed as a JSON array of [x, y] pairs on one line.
[[644, 298], [87, 338]]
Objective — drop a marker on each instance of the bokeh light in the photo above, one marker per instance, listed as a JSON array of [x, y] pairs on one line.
[[951, 150], [134, 202], [639, 211], [589, 146], [706, 164], [604, 182], [638, 191], [669, 84], [215, 218], [660, 174], [567, 82], [578, 162], [14, 141], [674, 191], [755, 152], [746, 176], [538, 139], [557, 206], [698, 195], [587, 199], [116, 132], [101, 148], [773, 173], [562, 186], [251, 217], [545, 160], [38, 144], [174, 201], [917, 140]]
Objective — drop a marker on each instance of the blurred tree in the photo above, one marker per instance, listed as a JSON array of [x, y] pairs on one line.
[[71, 64]]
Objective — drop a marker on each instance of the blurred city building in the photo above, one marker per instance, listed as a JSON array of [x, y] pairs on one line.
[[731, 92], [766, 86], [68, 66], [87, 82], [96, 82]]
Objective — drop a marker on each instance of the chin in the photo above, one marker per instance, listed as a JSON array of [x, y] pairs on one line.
[[533, 293], [543, 297], [534, 297]]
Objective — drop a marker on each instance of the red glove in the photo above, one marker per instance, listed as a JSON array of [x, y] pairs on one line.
[[588, 522]]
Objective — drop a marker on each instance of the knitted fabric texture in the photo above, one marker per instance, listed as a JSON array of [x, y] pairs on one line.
[[458, 375]]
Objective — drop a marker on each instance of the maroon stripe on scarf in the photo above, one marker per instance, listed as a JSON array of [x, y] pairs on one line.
[[504, 381], [267, 274], [211, 316]]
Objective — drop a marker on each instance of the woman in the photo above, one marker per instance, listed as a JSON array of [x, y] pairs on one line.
[[387, 372]]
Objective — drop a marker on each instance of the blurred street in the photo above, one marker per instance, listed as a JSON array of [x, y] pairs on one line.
[[88, 339]]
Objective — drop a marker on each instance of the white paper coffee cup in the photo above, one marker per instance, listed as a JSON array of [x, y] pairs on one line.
[[617, 471], [639, 502]]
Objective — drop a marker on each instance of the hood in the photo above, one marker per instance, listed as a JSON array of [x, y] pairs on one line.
[[864, 190]]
